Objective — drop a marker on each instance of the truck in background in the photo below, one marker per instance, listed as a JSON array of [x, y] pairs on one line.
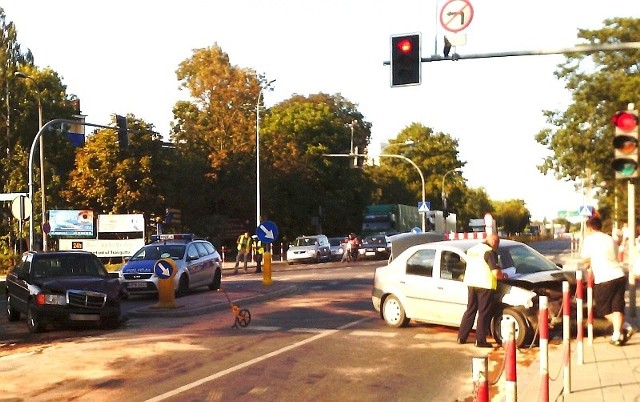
[[438, 223], [389, 218]]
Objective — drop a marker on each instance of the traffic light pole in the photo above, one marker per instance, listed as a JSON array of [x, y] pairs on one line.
[[575, 49], [631, 217]]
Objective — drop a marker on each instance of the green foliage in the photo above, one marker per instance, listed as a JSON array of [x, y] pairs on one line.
[[601, 83]]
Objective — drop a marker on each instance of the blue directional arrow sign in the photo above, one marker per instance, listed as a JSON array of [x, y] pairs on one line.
[[267, 232], [163, 269]]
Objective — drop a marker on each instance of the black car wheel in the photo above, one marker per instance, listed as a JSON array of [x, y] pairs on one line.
[[523, 331], [183, 286], [34, 324], [217, 280], [393, 312], [12, 313]]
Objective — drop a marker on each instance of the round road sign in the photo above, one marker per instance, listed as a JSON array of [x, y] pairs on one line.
[[21, 207], [456, 15]]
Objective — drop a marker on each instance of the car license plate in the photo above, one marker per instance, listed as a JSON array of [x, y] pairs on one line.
[[136, 285], [370, 253], [84, 317]]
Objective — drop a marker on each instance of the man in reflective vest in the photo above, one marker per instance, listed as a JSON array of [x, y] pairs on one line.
[[481, 278], [244, 250], [259, 250]]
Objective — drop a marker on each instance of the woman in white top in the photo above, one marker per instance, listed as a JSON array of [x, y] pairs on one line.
[[610, 282]]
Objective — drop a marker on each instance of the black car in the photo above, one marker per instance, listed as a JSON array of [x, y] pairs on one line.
[[60, 287], [375, 246]]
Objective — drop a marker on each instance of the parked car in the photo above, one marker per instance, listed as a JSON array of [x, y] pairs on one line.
[[309, 249], [336, 245], [198, 265], [60, 287], [375, 246], [425, 283]]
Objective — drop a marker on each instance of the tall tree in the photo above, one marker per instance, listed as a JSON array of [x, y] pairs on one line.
[[108, 179], [299, 181]]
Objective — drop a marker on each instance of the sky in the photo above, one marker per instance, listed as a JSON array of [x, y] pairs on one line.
[[120, 57]]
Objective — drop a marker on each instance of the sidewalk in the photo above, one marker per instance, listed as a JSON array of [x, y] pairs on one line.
[[607, 374]]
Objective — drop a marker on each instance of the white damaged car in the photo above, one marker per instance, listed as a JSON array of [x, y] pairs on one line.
[[424, 283]]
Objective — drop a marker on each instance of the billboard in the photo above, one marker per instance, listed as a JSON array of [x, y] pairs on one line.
[[71, 223], [118, 223]]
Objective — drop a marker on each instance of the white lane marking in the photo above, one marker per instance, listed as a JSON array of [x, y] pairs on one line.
[[251, 362]]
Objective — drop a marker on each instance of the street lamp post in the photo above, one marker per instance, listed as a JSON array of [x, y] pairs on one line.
[[267, 86], [444, 193], [22, 75], [424, 194]]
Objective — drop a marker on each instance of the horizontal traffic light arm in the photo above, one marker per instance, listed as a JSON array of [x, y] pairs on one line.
[[575, 49]]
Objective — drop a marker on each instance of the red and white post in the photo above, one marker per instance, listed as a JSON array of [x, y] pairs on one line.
[[511, 388], [590, 306], [479, 372], [566, 337], [579, 317], [543, 322]]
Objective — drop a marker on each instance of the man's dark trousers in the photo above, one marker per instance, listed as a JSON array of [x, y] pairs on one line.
[[480, 301]]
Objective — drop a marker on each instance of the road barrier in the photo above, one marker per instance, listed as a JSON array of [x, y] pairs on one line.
[[509, 346], [480, 370]]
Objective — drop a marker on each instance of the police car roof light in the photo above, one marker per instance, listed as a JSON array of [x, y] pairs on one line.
[[173, 236]]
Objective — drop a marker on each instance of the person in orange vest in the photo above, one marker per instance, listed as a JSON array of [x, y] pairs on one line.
[[244, 250]]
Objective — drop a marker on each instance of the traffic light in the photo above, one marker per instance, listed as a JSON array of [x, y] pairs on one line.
[[405, 60], [123, 135], [625, 143]]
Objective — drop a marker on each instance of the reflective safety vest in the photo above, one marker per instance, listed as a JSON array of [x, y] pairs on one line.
[[478, 273], [244, 243], [259, 247]]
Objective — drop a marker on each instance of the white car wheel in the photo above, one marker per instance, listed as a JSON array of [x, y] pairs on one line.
[[393, 312]]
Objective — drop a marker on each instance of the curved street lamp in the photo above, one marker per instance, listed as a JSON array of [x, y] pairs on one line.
[[269, 87], [20, 74], [424, 195]]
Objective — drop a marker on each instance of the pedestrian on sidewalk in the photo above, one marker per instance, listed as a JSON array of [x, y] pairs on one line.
[[610, 283], [244, 250], [481, 277]]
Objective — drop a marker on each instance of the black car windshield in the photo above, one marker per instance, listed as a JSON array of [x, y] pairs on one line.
[[157, 251], [524, 259], [67, 265]]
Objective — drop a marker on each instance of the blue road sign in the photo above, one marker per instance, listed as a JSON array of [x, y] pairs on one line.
[[267, 232], [424, 207], [163, 269]]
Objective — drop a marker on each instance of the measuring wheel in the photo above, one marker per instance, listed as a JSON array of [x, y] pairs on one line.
[[243, 318]]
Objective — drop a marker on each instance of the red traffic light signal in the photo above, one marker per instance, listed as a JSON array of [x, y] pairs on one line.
[[405, 60], [625, 144]]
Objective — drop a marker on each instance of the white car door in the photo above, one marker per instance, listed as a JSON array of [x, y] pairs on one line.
[[450, 293], [419, 286]]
